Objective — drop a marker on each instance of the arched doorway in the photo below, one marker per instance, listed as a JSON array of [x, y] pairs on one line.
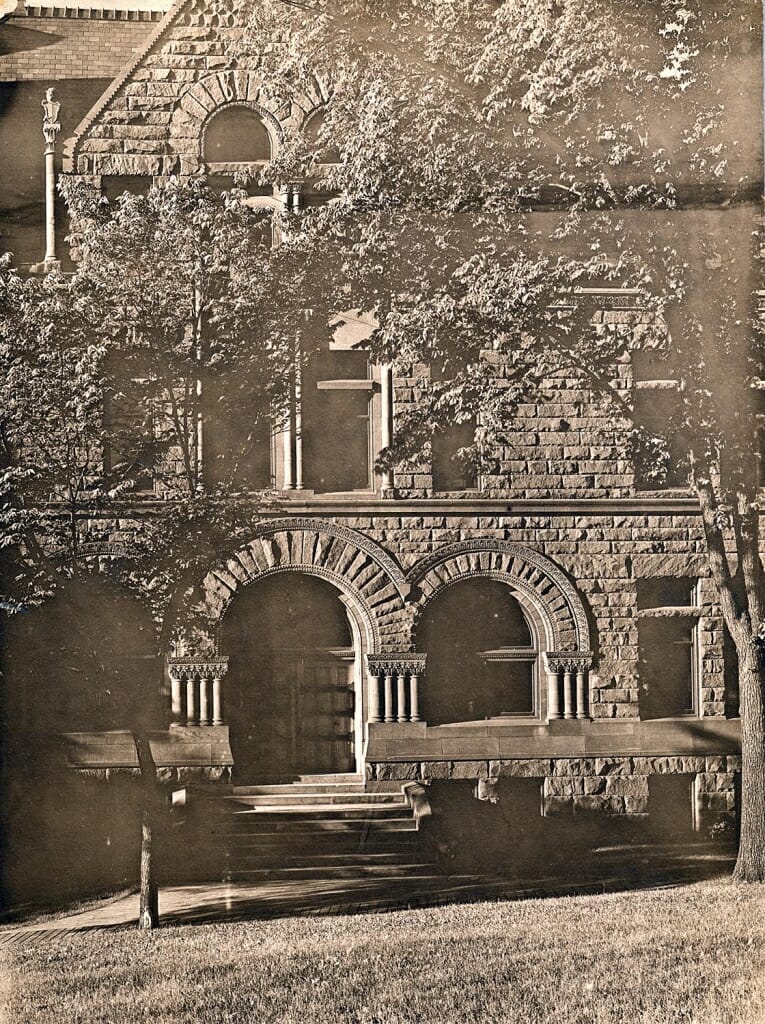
[[482, 654], [291, 687]]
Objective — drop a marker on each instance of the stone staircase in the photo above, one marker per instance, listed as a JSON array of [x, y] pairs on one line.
[[321, 827]]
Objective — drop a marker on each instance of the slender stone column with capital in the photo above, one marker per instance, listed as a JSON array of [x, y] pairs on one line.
[[581, 693], [568, 693], [191, 699], [553, 694], [414, 698], [401, 697], [51, 128], [386, 426], [298, 425], [204, 699], [176, 695], [374, 697], [217, 696], [289, 479], [388, 688]]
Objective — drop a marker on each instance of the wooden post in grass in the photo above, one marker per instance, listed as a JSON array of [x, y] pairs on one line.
[[148, 910]]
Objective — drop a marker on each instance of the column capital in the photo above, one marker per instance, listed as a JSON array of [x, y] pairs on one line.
[[568, 661], [405, 662], [209, 668]]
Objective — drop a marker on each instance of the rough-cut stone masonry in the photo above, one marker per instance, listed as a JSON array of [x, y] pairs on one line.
[[567, 444], [51, 49], [602, 557], [611, 785]]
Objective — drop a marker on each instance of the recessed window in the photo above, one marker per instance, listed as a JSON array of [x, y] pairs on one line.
[[661, 459], [452, 468], [236, 135], [670, 804], [668, 647], [336, 400], [481, 654], [129, 454], [236, 443], [667, 667]]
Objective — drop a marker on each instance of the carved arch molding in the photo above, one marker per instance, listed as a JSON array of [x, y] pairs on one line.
[[205, 97], [390, 601]]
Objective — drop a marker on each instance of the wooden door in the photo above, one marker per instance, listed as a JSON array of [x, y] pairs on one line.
[[324, 720], [298, 718]]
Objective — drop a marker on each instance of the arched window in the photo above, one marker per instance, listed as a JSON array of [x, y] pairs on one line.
[[236, 135], [482, 654]]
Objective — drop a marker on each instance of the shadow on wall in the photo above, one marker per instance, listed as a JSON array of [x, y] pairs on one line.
[[68, 836], [508, 836]]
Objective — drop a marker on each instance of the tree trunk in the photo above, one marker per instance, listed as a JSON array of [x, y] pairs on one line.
[[148, 910], [750, 865]]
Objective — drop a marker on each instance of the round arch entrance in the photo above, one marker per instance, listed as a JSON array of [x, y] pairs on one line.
[[295, 670]]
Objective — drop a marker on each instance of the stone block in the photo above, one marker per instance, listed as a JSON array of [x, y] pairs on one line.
[[635, 786], [558, 807], [468, 769], [395, 771], [613, 766], [594, 785], [574, 766], [521, 768], [435, 770]]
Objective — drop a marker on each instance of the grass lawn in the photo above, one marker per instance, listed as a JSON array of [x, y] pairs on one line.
[[690, 954]]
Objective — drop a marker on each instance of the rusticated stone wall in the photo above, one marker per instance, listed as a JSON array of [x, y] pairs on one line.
[[602, 556], [611, 785]]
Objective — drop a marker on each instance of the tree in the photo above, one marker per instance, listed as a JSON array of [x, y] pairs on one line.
[[492, 157], [177, 294]]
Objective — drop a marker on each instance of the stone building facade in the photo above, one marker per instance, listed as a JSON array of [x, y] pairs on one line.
[[550, 620]]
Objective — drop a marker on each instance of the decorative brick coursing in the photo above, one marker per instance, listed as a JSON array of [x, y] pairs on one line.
[[66, 48]]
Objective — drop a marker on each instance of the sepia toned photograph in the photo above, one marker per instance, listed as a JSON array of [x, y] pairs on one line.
[[382, 480]]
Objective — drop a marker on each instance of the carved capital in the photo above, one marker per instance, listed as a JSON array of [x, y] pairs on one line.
[[206, 668], [405, 663], [574, 661]]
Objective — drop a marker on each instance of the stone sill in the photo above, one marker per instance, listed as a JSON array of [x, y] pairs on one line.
[[620, 738], [180, 746]]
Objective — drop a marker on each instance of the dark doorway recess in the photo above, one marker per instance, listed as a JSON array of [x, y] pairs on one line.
[[291, 692]]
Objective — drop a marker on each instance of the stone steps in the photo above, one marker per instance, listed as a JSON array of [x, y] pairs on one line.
[[305, 799], [322, 830], [423, 870]]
